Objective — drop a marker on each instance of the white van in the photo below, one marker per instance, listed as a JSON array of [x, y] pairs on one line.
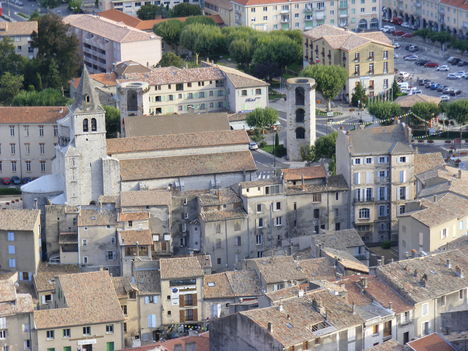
[[403, 85]]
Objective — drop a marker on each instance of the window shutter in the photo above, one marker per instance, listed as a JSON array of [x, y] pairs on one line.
[[195, 314], [181, 300], [155, 299], [194, 299], [369, 176], [153, 320], [181, 316], [149, 321], [146, 299]]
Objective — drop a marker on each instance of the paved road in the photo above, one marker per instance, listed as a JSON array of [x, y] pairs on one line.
[[12, 10]]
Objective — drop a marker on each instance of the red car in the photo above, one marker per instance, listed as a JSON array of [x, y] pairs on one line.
[[407, 35], [397, 20], [431, 64], [6, 181], [399, 33]]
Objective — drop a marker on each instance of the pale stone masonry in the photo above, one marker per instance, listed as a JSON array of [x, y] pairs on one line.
[[21, 35]]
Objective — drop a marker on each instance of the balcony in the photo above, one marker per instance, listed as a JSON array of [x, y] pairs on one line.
[[284, 19], [68, 238], [367, 199], [283, 10], [320, 15], [308, 9]]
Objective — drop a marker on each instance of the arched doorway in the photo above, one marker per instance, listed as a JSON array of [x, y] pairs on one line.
[[362, 24], [300, 133], [300, 113], [374, 23]]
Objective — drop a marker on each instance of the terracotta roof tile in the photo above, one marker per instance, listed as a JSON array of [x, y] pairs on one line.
[[184, 166], [133, 216], [90, 299], [238, 78], [430, 343], [277, 269], [390, 345], [461, 4], [173, 75], [321, 268], [17, 28], [182, 267], [23, 304], [201, 343], [106, 79], [176, 141], [290, 174], [44, 279], [32, 114], [426, 162], [408, 101], [143, 198], [88, 217], [131, 237], [19, 219], [119, 16]]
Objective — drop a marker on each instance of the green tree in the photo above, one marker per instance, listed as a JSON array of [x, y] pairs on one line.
[[10, 85], [46, 97], [308, 153], [171, 59], [324, 147], [396, 92], [359, 97], [75, 6], [54, 42], [9, 60], [149, 12], [241, 50], [185, 10], [330, 80], [200, 19], [112, 121], [170, 31], [34, 16], [384, 110], [425, 110], [458, 111], [49, 4], [262, 118], [202, 39]]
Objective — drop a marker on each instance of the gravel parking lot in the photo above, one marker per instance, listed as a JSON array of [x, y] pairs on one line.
[[420, 72]]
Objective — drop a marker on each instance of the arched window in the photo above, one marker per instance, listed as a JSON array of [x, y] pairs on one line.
[[85, 125], [93, 124], [364, 213], [300, 133], [300, 96], [300, 115], [132, 101], [87, 99]]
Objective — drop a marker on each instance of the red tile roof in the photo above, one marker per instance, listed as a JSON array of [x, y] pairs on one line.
[[290, 174], [32, 114], [462, 4], [107, 79], [202, 342], [431, 342]]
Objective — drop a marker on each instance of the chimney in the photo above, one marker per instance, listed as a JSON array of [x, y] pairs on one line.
[[390, 305], [364, 282], [459, 271], [449, 263], [423, 280], [354, 308], [270, 327], [301, 293], [281, 308]]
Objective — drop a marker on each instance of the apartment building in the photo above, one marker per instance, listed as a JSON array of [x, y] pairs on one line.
[[86, 315], [131, 7], [433, 284], [303, 14], [15, 315], [104, 42], [378, 163], [367, 57], [443, 15], [20, 34], [172, 90], [28, 136], [182, 288], [20, 242]]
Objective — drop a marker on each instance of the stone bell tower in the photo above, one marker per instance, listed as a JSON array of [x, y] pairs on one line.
[[300, 115]]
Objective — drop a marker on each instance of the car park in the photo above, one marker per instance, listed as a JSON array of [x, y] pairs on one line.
[[414, 91], [441, 88], [404, 75], [452, 76], [397, 20], [421, 62], [447, 90], [444, 98], [403, 85], [423, 82], [443, 68], [6, 181], [462, 63], [16, 180], [412, 48], [428, 84], [405, 25], [455, 61], [398, 33], [407, 35], [460, 74], [411, 57], [434, 86], [431, 64], [455, 92]]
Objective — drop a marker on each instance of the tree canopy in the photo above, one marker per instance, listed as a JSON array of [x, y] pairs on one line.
[[324, 147], [458, 111], [169, 30], [185, 10], [10, 85], [242, 51], [202, 39], [262, 118], [46, 97], [149, 12], [112, 121], [359, 97], [384, 110], [10, 60], [330, 80], [171, 59], [425, 110]]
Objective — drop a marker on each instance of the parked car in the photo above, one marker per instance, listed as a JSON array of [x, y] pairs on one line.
[[253, 146], [398, 33], [444, 98], [441, 88], [387, 29], [452, 59], [462, 63], [443, 68], [405, 25], [6, 181], [404, 75], [407, 35], [455, 92], [423, 82], [396, 45], [397, 20], [431, 64], [452, 76], [412, 48], [26, 180], [428, 84], [434, 86], [460, 74], [414, 91], [411, 57], [421, 62], [447, 91], [455, 61], [16, 180]]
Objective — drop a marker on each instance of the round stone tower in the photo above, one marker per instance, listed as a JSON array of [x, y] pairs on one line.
[[300, 115]]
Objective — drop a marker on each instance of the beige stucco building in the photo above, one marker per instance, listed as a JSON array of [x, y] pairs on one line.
[[104, 42], [367, 57], [21, 35], [20, 242], [378, 164], [86, 315], [28, 135], [301, 14]]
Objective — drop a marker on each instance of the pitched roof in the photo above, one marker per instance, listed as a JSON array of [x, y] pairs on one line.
[[148, 281], [184, 166], [390, 345], [200, 342], [408, 101], [240, 79], [133, 216], [17, 28], [333, 183], [216, 197], [340, 239], [347, 260], [23, 304], [174, 75], [8, 288], [379, 140], [90, 217], [106, 28], [231, 284], [106, 79], [224, 4], [277, 268], [260, 2], [430, 343], [122, 286], [321, 268], [426, 162], [406, 276], [339, 38], [132, 237], [215, 215], [177, 141], [313, 172], [19, 219], [129, 66], [183, 267], [461, 4], [32, 114], [145, 198], [44, 279], [175, 124], [90, 299]]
